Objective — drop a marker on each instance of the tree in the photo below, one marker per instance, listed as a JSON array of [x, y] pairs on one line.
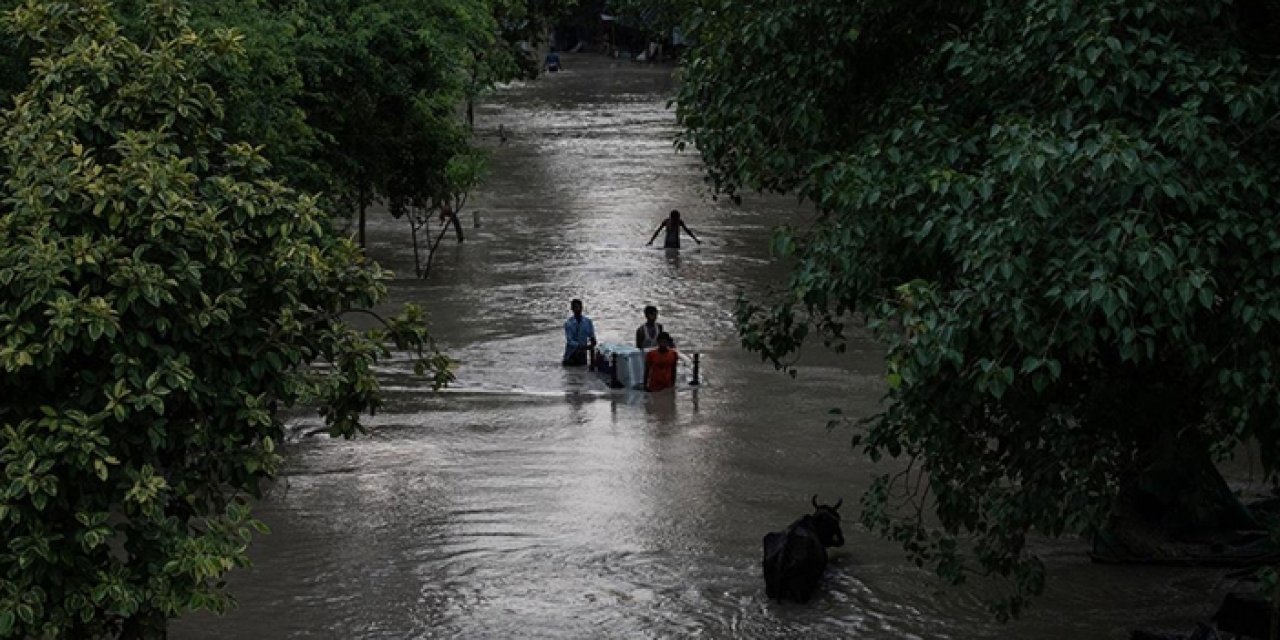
[[1060, 219], [262, 89], [383, 85], [655, 19], [464, 173], [498, 58], [359, 100], [522, 26], [162, 302]]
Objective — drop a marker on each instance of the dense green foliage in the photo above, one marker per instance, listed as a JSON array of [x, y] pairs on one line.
[[359, 99], [261, 89], [161, 301], [1061, 219], [354, 100], [382, 85], [366, 99], [524, 23], [655, 18]]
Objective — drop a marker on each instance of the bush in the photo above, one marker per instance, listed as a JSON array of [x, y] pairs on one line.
[[162, 303]]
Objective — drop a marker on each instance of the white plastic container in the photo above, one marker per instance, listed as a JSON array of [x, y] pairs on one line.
[[630, 363]]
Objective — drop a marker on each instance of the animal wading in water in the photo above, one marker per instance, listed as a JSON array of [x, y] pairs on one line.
[[795, 559]]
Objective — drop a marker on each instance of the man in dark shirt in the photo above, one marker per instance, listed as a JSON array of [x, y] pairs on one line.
[[647, 333]]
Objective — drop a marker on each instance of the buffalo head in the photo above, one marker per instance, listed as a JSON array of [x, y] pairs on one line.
[[827, 522]]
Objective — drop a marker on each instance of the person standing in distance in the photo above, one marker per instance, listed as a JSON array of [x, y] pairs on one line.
[[579, 336], [647, 333], [673, 224]]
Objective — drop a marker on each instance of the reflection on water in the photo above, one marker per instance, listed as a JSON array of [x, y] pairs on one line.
[[530, 500]]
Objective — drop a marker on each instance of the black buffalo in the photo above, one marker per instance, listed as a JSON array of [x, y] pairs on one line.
[[795, 559]]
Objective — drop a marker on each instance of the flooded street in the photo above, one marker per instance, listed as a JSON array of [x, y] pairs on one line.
[[531, 501]]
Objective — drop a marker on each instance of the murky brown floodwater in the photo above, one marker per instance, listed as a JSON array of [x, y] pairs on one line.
[[529, 501]]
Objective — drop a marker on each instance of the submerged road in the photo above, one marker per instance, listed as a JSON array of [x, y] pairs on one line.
[[530, 501]]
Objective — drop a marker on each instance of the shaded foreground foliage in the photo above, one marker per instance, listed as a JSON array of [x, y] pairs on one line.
[[163, 299], [1061, 219]]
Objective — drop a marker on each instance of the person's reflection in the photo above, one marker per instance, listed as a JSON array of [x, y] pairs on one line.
[[630, 398], [576, 401], [673, 257], [661, 406]]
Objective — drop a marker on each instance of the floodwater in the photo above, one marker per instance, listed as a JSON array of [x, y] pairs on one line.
[[530, 501]]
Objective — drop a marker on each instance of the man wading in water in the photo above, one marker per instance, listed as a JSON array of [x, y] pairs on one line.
[[647, 333], [579, 336], [673, 225]]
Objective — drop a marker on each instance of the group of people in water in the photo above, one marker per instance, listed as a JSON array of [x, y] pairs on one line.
[[660, 358]]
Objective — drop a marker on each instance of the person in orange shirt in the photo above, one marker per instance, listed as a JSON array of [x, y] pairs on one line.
[[660, 365]]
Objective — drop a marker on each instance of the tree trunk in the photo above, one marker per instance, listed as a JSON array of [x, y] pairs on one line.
[[1176, 508], [362, 210], [457, 226], [417, 259]]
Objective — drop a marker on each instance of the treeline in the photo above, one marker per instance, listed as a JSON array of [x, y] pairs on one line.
[[170, 276], [1059, 218], [355, 100]]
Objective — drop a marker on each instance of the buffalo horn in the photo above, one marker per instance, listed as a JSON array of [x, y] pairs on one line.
[[814, 500], [839, 501]]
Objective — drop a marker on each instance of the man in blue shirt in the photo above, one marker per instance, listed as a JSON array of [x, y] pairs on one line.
[[579, 336]]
